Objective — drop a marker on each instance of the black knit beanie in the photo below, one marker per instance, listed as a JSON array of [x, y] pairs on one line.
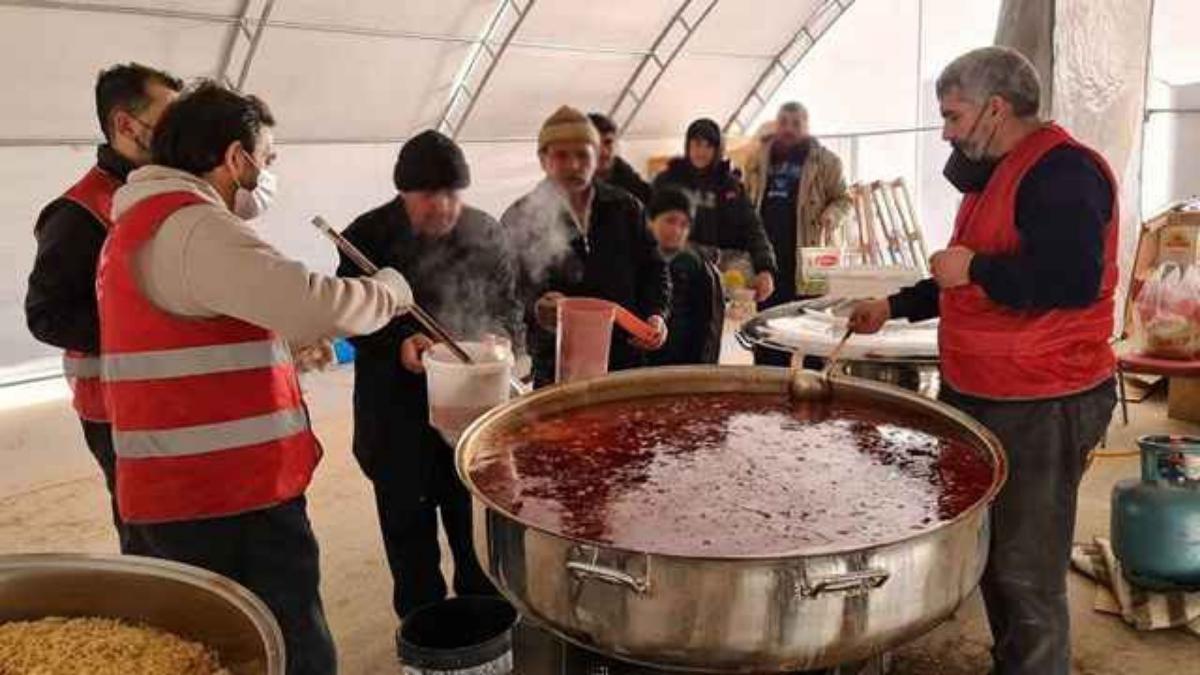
[[431, 161], [670, 198]]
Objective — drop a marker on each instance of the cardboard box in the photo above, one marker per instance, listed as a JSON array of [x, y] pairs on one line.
[[1183, 399], [1179, 239]]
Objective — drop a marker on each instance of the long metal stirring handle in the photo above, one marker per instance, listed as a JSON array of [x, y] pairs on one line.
[[837, 351], [364, 263]]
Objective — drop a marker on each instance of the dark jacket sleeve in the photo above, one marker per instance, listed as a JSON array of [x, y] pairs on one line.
[[631, 180], [653, 273], [744, 228], [916, 303], [504, 304], [60, 304], [762, 253], [1063, 208], [713, 309]]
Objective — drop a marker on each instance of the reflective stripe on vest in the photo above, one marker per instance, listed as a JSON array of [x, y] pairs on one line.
[[190, 361], [94, 192], [77, 367], [82, 372], [207, 438]]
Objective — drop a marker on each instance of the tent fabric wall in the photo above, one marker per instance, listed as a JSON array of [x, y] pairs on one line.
[[348, 81], [1100, 94]]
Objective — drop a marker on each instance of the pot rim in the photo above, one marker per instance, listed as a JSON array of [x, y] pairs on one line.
[[238, 596], [760, 374]]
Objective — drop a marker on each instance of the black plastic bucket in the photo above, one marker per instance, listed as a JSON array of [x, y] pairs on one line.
[[464, 636]]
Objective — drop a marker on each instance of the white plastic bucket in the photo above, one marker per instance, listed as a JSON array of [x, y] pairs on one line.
[[461, 392]]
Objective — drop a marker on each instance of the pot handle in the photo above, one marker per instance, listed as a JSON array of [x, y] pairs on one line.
[[850, 583], [584, 570]]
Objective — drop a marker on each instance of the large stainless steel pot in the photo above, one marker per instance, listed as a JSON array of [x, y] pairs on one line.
[[813, 609], [190, 602]]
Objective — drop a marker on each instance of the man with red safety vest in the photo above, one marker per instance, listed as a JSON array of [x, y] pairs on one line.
[[213, 441], [60, 304], [1025, 295]]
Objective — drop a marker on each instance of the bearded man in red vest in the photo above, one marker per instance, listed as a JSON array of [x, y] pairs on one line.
[[60, 304], [213, 440], [1025, 295]]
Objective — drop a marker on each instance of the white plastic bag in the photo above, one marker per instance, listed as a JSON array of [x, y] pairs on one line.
[[1167, 308]]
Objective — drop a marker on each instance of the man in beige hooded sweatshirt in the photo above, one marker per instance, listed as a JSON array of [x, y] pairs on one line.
[[213, 442]]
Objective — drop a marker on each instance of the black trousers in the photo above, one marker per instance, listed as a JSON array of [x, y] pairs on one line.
[[410, 536], [1033, 520], [273, 553], [98, 436]]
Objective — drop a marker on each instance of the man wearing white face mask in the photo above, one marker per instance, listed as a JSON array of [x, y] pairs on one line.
[[213, 442], [251, 204]]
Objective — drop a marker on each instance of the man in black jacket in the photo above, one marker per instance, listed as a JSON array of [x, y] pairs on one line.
[[575, 236], [60, 306], [455, 259], [725, 218], [611, 167]]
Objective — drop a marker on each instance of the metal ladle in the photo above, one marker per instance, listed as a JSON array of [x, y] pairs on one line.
[[809, 385], [435, 329]]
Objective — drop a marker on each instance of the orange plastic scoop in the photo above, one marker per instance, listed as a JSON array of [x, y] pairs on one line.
[[630, 323]]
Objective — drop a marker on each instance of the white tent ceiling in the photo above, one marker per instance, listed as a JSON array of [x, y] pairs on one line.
[[364, 70]]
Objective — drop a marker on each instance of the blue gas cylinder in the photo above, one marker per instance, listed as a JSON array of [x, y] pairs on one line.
[[1156, 519]]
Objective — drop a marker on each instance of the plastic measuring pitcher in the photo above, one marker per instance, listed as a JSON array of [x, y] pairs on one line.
[[584, 337], [461, 392]]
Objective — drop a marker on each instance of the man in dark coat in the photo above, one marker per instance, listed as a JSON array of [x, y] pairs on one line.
[[611, 167], [725, 218], [697, 303], [575, 236], [60, 306], [456, 262]]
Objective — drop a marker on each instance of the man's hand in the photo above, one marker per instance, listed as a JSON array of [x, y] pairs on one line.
[[829, 228], [951, 267], [764, 286], [660, 335], [411, 351], [398, 286], [314, 357], [546, 310], [869, 316]]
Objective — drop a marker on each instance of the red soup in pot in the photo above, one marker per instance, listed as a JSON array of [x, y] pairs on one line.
[[731, 474]]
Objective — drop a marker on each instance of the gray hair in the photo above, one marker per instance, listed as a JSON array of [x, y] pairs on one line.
[[794, 107], [994, 71]]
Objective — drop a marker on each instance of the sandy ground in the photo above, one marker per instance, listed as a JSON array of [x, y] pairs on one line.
[[52, 499]]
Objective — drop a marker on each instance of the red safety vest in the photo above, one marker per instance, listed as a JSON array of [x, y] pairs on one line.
[[207, 414], [994, 352], [93, 192]]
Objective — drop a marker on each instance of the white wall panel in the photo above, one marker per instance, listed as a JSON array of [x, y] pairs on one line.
[[49, 61]]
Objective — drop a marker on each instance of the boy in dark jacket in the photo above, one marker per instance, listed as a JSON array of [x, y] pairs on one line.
[[697, 303], [725, 218]]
